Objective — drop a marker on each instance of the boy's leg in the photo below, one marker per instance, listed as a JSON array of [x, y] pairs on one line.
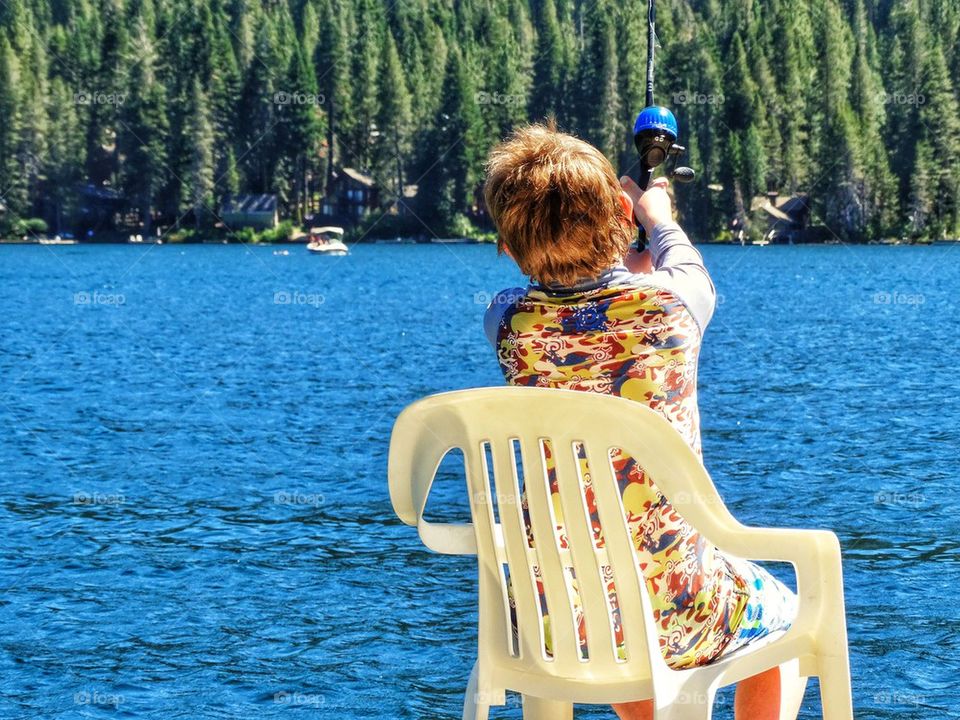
[[772, 695], [758, 697], [641, 710]]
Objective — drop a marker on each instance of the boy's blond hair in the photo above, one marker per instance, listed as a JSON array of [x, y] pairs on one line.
[[555, 200]]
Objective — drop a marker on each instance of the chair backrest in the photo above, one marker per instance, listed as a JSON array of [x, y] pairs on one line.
[[502, 433]]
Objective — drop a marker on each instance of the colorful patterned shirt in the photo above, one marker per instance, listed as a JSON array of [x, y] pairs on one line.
[[636, 336]]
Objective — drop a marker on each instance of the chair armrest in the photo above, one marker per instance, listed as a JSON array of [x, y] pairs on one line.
[[416, 448], [448, 538], [797, 546], [815, 554]]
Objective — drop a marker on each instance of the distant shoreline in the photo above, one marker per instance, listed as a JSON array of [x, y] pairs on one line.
[[50, 242]]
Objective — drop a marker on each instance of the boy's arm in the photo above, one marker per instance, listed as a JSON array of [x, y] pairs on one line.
[[678, 265]]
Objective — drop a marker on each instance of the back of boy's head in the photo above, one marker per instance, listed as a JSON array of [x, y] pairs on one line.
[[555, 200]]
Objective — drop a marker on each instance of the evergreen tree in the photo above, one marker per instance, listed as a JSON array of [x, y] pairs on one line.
[[364, 81], [333, 79], [144, 130], [503, 99], [599, 116], [393, 122], [262, 95], [631, 47], [299, 129], [224, 88], [878, 189], [13, 194], [549, 63], [452, 166], [199, 179], [66, 160], [743, 160], [939, 157], [32, 131], [17, 22], [841, 173], [794, 131]]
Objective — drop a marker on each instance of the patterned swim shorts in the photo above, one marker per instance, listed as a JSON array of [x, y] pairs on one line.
[[772, 606]]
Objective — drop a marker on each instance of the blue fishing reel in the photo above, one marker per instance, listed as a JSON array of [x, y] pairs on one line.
[[658, 119], [655, 135]]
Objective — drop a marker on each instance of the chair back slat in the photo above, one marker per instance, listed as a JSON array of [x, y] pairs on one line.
[[572, 577], [508, 498], [632, 597], [564, 644], [484, 510], [587, 561]]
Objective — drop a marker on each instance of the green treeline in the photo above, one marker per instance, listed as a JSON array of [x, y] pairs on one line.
[[174, 104]]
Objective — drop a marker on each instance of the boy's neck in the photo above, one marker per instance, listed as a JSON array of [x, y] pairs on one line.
[[601, 280]]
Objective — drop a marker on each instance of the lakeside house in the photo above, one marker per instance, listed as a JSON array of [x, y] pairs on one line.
[[788, 218], [250, 211], [101, 209], [351, 195]]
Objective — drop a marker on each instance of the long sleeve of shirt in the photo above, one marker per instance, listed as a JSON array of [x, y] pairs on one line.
[[678, 267]]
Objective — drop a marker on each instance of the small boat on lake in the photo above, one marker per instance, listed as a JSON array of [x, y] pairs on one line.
[[327, 241]]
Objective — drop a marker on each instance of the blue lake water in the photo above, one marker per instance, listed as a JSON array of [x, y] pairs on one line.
[[194, 519]]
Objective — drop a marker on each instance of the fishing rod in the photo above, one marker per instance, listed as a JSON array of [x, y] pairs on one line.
[[655, 132]]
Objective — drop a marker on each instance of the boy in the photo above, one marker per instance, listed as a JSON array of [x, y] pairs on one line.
[[601, 317]]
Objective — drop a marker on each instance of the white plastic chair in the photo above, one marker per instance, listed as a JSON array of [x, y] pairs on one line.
[[493, 422]]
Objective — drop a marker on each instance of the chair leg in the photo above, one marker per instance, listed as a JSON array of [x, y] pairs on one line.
[[684, 712], [535, 708], [835, 693], [792, 688], [692, 701], [474, 706]]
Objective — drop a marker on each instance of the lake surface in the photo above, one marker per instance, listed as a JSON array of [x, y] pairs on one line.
[[194, 518]]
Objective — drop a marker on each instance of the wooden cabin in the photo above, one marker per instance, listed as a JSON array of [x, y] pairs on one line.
[[351, 195], [788, 218], [102, 209]]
